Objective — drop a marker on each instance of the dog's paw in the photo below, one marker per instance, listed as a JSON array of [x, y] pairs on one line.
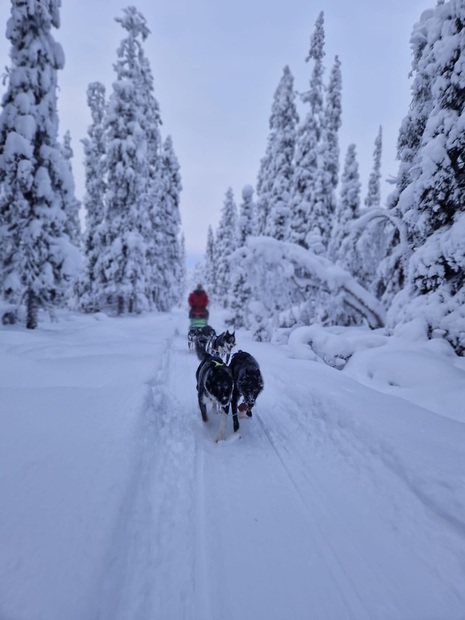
[[229, 439]]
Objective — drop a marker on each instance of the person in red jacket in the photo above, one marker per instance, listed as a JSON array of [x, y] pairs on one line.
[[198, 302]]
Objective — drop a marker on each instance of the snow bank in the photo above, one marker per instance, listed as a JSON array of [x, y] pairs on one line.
[[75, 397]]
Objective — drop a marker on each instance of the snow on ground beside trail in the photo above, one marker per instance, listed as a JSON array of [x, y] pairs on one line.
[[343, 498], [74, 399]]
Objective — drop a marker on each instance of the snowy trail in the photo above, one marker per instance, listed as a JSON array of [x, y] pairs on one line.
[[299, 514], [157, 557], [338, 502]]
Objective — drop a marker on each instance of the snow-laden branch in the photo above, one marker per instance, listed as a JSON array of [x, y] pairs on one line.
[[359, 226], [304, 267]]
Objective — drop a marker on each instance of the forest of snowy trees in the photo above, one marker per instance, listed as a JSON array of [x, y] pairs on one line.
[[308, 249], [302, 247], [130, 257]]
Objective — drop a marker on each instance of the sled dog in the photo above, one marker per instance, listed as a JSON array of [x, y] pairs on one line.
[[248, 383], [202, 338], [222, 345], [215, 386], [191, 334]]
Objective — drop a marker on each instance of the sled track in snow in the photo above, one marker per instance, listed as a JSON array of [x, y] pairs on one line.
[[187, 544]]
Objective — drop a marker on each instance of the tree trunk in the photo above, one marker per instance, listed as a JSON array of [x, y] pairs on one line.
[[31, 309]]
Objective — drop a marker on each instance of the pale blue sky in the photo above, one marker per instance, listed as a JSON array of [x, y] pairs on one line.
[[216, 66]]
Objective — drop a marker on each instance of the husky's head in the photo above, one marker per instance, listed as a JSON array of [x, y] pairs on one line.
[[226, 341], [250, 384]]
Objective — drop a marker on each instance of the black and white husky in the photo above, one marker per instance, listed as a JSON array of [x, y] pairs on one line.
[[248, 383], [214, 386], [191, 334], [202, 339], [222, 345]]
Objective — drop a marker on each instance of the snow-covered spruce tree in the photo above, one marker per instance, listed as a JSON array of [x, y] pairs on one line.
[[373, 197], [88, 288], [432, 205], [371, 243], [307, 160], [341, 251], [210, 266], [333, 120], [326, 174], [347, 210], [154, 229], [182, 282], [225, 244], [320, 305], [38, 259], [247, 210], [281, 147], [168, 231], [264, 183], [240, 292], [122, 264], [282, 123], [71, 203], [390, 276]]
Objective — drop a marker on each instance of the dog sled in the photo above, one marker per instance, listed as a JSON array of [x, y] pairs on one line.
[[196, 321]]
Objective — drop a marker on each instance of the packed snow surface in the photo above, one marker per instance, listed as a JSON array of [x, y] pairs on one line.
[[342, 498]]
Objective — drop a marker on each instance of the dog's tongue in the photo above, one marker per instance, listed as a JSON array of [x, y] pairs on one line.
[[243, 407]]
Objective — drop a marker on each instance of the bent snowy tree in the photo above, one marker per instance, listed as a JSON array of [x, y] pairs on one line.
[[296, 269], [360, 225]]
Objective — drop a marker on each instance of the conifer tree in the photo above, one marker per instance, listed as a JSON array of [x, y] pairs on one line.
[[333, 114], [89, 285], [210, 265], [123, 262], [390, 277], [225, 244], [307, 160], [182, 282], [374, 187], [326, 177], [283, 124], [169, 227], [38, 259], [246, 215], [72, 206], [347, 210], [153, 229], [371, 245], [432, 205], [264, 183], [240, 292]]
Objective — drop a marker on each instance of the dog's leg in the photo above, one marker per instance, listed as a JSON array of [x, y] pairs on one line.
[[222, 423], [203, 408], [235, 422], [234, 399]]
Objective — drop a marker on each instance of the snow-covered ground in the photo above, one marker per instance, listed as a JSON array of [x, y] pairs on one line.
[[343, 499]]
